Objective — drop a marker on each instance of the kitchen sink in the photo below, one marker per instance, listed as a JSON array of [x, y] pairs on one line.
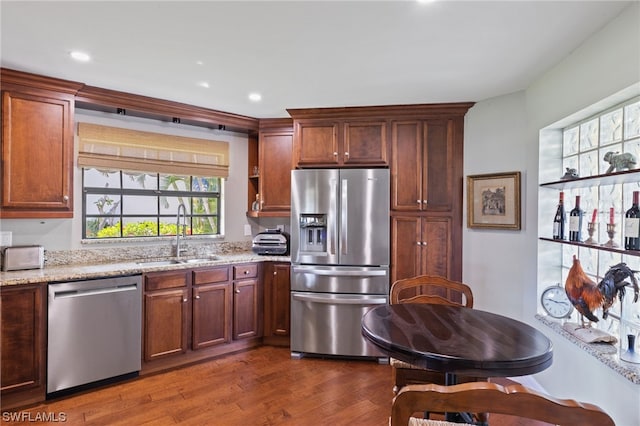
[[178, 261], [160, 262]]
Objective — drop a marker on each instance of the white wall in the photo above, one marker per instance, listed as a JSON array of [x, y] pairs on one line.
[[501, 134], [66, 234]]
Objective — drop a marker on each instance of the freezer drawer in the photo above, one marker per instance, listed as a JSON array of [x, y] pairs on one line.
[[329, 324], [340, 279]]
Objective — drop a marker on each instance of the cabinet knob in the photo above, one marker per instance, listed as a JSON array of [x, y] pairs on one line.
[[197, 297], [65, 198], [275, 273], [185, 300], [246, 272], [424, 243], [419, 243], [346, 154], [236, 291], [419, 201], [424, 202], [335, 154]]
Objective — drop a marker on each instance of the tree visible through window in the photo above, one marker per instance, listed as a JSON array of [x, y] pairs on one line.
[[122, 204]]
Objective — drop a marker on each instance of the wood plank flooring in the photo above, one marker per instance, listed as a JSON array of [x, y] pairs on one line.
[[262, 386]]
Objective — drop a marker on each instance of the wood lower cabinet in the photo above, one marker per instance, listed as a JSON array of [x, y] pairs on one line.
[[211, 307], [37, 146], [23, 340], [247, 301], [166, 314], [423, 246], [194, 314], [277, 306]]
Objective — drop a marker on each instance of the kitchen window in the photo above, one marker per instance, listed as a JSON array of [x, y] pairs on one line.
[[123, 204], [133, 182]]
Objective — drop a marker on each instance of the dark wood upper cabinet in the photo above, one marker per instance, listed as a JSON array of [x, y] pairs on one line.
[[37, 146]]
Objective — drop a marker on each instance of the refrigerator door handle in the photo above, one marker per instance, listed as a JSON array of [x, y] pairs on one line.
[[332, 225], [343, 218], [333, 273], [341, 301]]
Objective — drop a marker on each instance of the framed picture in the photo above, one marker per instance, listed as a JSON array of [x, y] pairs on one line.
[[493, 201]]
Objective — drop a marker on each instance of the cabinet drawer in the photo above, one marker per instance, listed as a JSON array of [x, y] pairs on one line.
[[245, 271], [162, 280], [213, 275]]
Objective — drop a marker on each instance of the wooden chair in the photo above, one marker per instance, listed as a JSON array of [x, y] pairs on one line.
[[426, 289], [514, 400]]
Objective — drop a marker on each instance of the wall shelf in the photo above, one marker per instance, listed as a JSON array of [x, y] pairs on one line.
[[596, 246], [626, 176]]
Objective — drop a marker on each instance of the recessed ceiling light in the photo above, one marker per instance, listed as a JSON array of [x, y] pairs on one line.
[[80, 56], [255, 97], [204, 84], [199, 63]]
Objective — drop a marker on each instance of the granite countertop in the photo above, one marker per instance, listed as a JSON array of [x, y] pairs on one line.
[[108, 269]]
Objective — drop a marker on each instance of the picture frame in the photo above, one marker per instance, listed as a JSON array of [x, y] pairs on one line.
[[493, 201]]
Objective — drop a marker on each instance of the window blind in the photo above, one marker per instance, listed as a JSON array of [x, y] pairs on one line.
[[123, 149]]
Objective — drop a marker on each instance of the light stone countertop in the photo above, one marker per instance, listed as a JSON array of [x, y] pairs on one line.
[[109, 269]]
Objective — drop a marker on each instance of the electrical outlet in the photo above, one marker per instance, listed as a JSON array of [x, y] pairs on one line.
[[280, 228], [247, 230], [6, 238]]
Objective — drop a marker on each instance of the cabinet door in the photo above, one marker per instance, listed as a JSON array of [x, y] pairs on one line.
[[406, 243], [37, 155], [316, 143], [277, 286], [435, 248], [365, 143], [406, 165], [439, 167], [23, 345], [275, 153], [246, 309], [211, 315], [166, 316]]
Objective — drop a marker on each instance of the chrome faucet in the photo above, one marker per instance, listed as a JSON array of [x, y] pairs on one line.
[[182, 208]]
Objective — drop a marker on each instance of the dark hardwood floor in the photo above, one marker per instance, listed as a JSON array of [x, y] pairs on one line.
[[263, 386]]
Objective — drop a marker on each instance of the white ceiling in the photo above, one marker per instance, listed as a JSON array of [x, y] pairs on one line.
[[300, 54]]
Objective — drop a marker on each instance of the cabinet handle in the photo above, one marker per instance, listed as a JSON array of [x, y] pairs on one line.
[[65, 198]]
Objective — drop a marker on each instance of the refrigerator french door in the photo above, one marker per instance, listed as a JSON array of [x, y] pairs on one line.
[[340, 258]]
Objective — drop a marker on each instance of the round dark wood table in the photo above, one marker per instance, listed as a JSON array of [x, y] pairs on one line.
[[457, 340]]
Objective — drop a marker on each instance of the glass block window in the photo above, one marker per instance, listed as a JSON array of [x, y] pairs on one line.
[[122, 204]]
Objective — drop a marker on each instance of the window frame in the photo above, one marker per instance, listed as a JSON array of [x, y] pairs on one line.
[[122, 191]]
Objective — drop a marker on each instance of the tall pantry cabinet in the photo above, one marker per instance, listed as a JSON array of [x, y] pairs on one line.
[[426, 191]]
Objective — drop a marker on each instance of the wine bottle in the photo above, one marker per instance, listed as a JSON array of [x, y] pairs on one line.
[[559, 220], [575, 222], [632, 225]]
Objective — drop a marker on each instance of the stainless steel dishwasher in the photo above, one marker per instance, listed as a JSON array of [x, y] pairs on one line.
[[95, 329]]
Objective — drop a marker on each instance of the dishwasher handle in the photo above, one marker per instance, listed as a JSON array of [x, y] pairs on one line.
[[94, 291], [340, 301]]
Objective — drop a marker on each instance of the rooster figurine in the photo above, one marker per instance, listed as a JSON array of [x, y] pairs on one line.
[[587, 296]]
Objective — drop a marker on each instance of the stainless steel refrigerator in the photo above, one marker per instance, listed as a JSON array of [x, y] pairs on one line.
[[340, 258]]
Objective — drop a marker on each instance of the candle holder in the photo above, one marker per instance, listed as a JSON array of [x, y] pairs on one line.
[[591, 229], [611, 231]]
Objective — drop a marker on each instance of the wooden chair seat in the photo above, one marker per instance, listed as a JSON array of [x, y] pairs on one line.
[[485, 397]]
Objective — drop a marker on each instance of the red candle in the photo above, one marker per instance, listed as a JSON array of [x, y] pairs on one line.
[[593, 216], [611, 215]]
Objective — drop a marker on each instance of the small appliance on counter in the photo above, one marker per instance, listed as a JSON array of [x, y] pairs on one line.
[[15, 258], [271, 242]]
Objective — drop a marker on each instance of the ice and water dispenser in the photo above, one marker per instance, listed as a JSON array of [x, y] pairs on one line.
[[313, 232]]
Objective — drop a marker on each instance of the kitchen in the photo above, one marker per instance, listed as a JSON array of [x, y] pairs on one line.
[[489, 272]]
